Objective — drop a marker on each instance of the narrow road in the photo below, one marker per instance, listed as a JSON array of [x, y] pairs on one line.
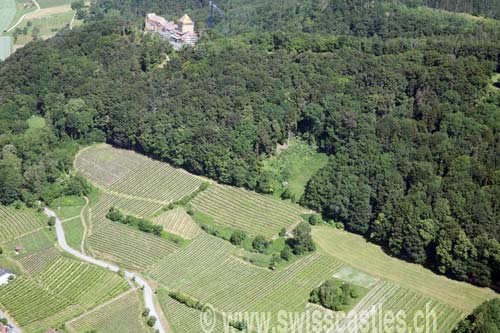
[[22, 17], [148, 293]]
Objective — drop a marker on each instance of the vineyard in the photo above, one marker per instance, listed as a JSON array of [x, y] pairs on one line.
[[59, 291], [30, 303], [121, 315], [248, 211], [16, 222], [178, 222], [129, 247], [36, 262], [133, 206], [208, 271], [182, 318], [123, 171], [81, 283]]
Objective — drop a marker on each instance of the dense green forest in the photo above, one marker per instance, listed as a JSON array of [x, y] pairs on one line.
[[401, 98], [484, 319]]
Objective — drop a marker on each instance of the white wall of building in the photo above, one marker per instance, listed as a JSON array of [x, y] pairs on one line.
[[4, 279]]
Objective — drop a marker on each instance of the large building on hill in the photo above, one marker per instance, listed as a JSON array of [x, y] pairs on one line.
[[178, 34]]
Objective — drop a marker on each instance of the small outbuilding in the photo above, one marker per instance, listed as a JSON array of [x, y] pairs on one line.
[[6, 276]]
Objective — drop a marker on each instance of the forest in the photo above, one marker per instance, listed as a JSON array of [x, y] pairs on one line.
[[402, 99]]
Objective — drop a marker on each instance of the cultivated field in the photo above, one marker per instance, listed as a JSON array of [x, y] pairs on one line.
[[178, 222], [248, 211], [73, 231], [57, 292], [16, 222], [119, 316], [7, 12], [357, 252], [129, 247], [182, 318], [32, 242], [35, 263], [5, 42], [126, 172], [208, 271]]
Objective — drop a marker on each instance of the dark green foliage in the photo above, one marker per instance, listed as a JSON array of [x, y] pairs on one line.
[[333, 296], [282, 232], [237, 237], [186, 300], [143, 225], [314, 219], [240, 325], [302, 241], [260, 244], [146, 312], [286, 254], [484, 319], [52, 221], [151, 321]]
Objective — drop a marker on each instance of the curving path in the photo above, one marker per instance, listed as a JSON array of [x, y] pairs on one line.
[[148, 293], [22, 17]]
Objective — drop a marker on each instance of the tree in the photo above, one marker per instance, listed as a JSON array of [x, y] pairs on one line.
[[286, 253], [314, 219], [10, 176], [333, 296], [237, 237], [302, 241], [52, 221], [76, 5], [484, 319], [146, 312], [151, 321], [260, 244]]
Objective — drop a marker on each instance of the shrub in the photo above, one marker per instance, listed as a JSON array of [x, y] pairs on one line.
[[286, 253], [315, 219], [237, 237], [146, 312], [52, 221], [260, 244], [151, 321], [282, 232]]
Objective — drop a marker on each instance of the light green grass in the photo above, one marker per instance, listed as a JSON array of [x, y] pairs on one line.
[[36, 122], [295, 165], [7, 13], [5, 42], [122, 315], [16, 222], [355, 251], [356, 277], [68, 206], [73, 230]]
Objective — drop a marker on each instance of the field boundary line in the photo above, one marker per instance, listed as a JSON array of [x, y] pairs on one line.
[[84, 224], [25, 234], [70, 218]]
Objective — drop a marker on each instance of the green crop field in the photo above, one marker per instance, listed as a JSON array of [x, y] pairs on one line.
[[248, 211], [81, 283], [37, 262], [16, 222], [133, 206], [53, 3], [122, 171], [178, 222], [182, 318], [129, 247], [208, 271], [121, 315]]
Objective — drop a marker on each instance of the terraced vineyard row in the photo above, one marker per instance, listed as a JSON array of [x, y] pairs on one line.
[[81, 283], [182, 318], [128, 246], [29, 303], [253, 213], [207, 271], [35, 263], [178, 222], [141, 208], [15, 222], [122, 315], [127, 172]]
